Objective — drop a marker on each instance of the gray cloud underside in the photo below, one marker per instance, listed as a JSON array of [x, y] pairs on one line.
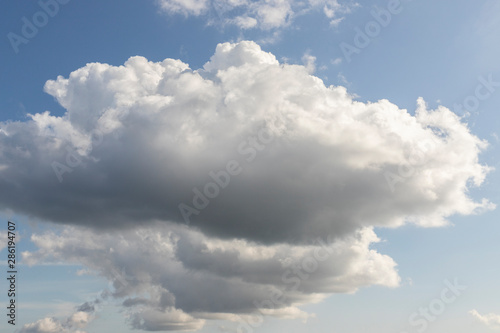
[[171, 277]]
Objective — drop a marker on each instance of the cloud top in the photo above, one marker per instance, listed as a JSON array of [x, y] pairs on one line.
[[171, 277], [244, 147]]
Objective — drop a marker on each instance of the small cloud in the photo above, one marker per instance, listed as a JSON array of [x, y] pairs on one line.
[[259, 14], [73, 323], [185, 7], [491, 320], [336, 22], [45, 325], [309, 62], [336, 61], [83, 271]]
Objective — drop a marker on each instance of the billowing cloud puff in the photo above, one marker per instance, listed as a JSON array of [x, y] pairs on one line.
[[171, 277], [52, 325], [261, 14], [244, 148], [46, 325]]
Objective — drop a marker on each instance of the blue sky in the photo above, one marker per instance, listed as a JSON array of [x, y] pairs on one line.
[[441, 51]]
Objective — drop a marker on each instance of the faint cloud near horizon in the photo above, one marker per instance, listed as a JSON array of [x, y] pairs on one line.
[[491, 320]]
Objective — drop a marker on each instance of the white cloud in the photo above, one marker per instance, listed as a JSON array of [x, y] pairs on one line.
[[186, 7], [491, 320], [261, 14], [336, 61], [165, 320], [140, 139], [309, 62], [73, 323], [48, 325], [3, 242]]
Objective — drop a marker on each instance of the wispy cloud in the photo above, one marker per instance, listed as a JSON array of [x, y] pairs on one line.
[[260, 14], [491, 320]]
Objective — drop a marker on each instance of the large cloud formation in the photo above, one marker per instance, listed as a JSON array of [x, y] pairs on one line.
[[244, 148], [226, 184]]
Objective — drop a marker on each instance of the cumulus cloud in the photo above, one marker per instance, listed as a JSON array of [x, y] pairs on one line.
[[53, 325], [491, 320], [244, 147], [74, 323], [46, 325], [172, 277], [260, 14], [243, 188]]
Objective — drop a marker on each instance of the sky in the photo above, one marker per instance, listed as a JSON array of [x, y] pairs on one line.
[[251, 166]]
